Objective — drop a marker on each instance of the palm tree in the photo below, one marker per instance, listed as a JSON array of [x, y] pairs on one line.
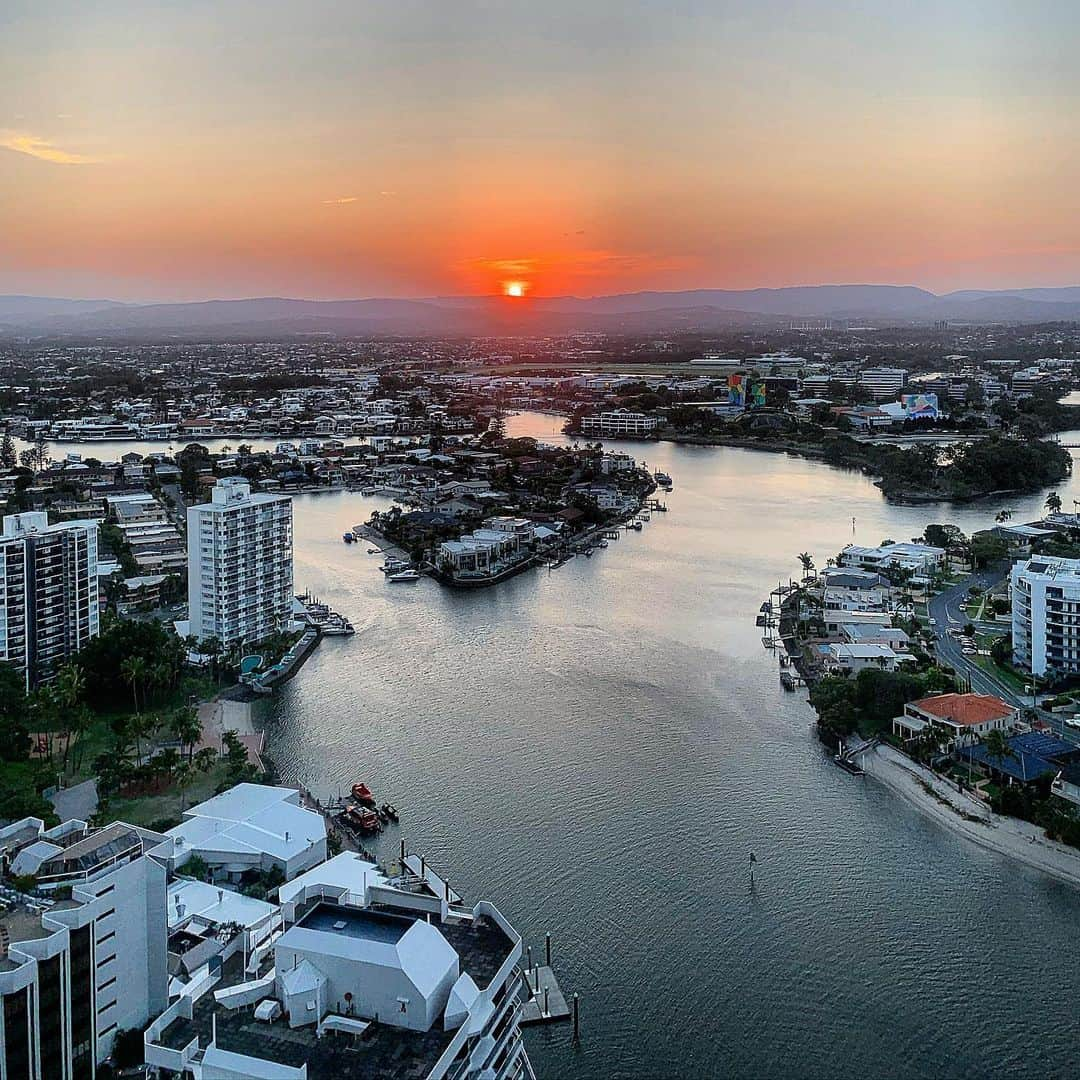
[[1053, 502], [1003, 516], [206, 759], [807, 561], [185, 725], [132, 669], [69, 686], [997, 746]]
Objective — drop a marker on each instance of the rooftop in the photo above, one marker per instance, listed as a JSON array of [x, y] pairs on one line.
[[965, 709]]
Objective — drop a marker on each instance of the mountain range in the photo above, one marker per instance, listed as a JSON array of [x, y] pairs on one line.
[[642, 312]]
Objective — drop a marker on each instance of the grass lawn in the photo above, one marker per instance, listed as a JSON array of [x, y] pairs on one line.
[[146, 810], [1005, 675]]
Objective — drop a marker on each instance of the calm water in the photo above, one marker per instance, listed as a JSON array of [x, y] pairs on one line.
[[598, 749]]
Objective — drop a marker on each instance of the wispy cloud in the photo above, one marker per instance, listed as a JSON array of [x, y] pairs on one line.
[[387, 194], [34, 146], [342, 201]]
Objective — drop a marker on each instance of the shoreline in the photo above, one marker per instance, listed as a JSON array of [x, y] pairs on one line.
[[1009, 837]]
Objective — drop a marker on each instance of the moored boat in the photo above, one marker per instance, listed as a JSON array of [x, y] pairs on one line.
[[362, 794]]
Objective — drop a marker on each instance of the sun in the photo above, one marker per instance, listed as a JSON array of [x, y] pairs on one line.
[[515, 288]]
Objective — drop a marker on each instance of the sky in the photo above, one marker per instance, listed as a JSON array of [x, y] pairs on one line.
[[187, 150]]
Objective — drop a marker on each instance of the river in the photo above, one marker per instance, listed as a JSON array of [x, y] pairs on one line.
[[598, 750]]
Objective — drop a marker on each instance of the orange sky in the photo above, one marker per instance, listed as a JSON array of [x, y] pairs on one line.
[[164, 151]]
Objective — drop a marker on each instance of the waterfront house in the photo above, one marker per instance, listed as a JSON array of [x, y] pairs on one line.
[[848, 660], [920, 559], [1035, 759], [855, 590], [965, 717], [875, 634]]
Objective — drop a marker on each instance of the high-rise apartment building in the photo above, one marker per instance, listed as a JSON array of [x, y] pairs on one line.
[[48, 592], [240, 564], [76, 970], [1046, 614]]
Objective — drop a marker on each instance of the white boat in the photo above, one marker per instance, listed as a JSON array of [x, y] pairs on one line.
[[404, 575]]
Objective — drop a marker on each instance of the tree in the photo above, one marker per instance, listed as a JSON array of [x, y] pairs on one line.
[[1053, 502], [68, 687], [205, 759], [185, 725], [997, 746], [987, 550], [8, 457], [133, 669], [14, 716], [807, 561], [236, 757]]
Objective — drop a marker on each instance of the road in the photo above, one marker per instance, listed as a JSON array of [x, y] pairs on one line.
[[947, 614]]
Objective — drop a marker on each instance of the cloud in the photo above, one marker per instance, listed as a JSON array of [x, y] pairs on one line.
[[42, 149], [342, 201], [387, 194]]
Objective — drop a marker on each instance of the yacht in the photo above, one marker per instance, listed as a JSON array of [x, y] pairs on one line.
[[404, 575]]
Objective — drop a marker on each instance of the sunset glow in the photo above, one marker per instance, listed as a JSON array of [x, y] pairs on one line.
[[515, 288], [145, 159]]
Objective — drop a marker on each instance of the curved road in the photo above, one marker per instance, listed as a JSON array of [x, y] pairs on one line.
[[947, 614]]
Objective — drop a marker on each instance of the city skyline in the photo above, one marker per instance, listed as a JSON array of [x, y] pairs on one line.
[[411, 151]]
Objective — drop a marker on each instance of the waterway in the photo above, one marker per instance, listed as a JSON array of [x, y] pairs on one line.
[[598, 750]]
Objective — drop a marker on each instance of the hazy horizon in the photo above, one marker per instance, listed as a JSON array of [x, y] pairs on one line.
[[176, 153], [207, 299]]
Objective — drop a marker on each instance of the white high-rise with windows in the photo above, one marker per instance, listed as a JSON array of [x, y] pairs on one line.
[[1046, 614], [240, 564], [48, 592]]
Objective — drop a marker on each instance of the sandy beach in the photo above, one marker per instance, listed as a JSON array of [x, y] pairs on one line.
[[1017, 839]]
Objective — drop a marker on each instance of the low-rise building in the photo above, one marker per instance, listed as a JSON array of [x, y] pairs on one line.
[[372, 976], [620, 424], [964, 717], [919, 559], [249, 828]]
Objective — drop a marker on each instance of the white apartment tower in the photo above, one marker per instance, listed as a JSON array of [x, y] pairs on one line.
[[1046, 614], [75, 971], [48, 592], [240, 564]]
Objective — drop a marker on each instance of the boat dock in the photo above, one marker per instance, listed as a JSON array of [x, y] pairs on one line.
[[546, 1003], [321, 617]]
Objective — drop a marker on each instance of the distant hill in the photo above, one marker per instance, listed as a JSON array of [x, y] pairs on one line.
[[42, 307], [642, 312]]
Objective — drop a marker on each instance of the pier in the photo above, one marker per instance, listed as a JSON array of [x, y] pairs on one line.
[[546, 1003]]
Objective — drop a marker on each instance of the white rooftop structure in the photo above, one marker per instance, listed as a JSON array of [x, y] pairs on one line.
[[250, 827], [189, 899]]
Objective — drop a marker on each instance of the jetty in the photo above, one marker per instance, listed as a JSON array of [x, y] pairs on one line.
[[545, 1002]]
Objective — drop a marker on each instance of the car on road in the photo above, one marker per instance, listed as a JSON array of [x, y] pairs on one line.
[[1071, 721]]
